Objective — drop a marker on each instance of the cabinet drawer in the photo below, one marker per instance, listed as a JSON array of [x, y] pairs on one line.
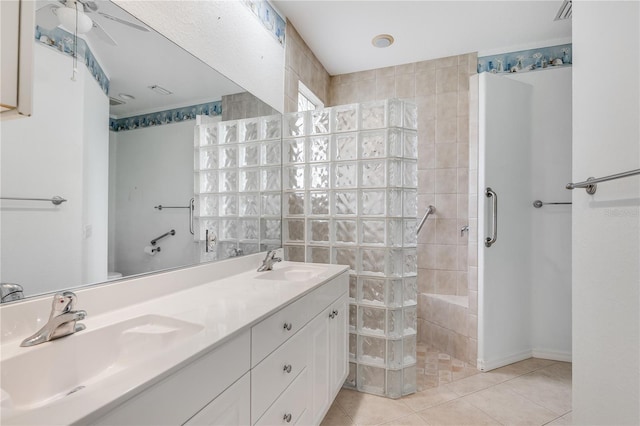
[[290, 407], [277, 371], [274, 330], [231, 408], [176, 398]]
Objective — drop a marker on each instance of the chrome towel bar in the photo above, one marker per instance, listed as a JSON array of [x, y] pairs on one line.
[[56, 200], [538, 204], [430, 210], [590, 183], [489, 241]]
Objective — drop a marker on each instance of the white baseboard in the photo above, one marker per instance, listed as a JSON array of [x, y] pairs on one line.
[[488, 365], [552, 355]]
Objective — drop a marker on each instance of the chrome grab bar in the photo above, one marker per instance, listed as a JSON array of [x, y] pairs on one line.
[[191, 208], [538, 204], [590, 183], [56, 200], [166, 234], [430, 210], [488, 242]]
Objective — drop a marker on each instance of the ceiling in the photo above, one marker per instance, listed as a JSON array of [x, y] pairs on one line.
[[340, 32], [142, 59]]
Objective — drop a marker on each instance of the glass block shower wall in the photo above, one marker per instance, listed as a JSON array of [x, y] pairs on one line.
[[238, 187], [349, 189]]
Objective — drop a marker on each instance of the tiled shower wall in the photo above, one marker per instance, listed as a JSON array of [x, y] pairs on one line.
[[302, 65], [440, 88]]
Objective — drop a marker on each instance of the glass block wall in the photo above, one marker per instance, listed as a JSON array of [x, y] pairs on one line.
[[349, 197], [238, 186]]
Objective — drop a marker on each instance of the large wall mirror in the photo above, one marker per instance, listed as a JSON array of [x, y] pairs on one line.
[[163, 162]]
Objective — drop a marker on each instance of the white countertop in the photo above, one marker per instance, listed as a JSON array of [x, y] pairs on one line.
[[225, 308]]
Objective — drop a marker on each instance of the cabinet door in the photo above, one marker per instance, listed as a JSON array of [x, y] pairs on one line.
[[338, 341], [319, 364], [10, 15], [231, 408]]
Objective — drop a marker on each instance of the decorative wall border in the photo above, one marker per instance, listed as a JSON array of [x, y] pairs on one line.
[[165, 117], [270, 19], [527, 60], [62, 41]]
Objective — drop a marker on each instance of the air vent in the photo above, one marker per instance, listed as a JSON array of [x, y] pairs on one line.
[[115, 102], [564, 12]]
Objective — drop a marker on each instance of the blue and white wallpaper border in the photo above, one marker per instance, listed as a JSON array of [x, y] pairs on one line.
[[62, 41], [270, 19], [527, 60], [165, 117]]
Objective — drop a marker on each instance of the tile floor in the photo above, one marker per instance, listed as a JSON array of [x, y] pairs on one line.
[[530, 392]]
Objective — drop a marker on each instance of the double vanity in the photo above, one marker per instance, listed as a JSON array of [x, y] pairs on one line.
[[213, 344]]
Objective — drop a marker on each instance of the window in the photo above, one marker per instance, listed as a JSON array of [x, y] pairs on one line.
[[307, 100]]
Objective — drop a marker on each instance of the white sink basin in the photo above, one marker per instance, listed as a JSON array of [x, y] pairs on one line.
[[52, 370], [295, 273]]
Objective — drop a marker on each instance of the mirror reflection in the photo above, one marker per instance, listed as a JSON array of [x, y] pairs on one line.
[[158, 157]]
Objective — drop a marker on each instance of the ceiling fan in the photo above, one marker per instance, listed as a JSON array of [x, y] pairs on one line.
[[73, 15]]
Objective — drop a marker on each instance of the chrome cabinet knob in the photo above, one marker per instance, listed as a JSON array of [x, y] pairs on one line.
[[287, 368], [287, 418], [287, 326], [335, 313]]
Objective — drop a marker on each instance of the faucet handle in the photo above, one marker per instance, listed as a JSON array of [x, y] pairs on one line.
[[63, 303]]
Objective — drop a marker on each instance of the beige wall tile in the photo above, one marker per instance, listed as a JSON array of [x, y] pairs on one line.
[[426, 257], [463, 78], [463, 103], [446, 233], [385, 87], [463, 154], [426, 281], [446, 181], [449, 61], [446, 283], [446, 155], [472, 324], [439, 337], [463, 129], [405, 68], [426, 152], [473, 275], [425, 66], [426, 181], [447, 105], [365, 90], [473, 302], [463, 283], [463, 180], [428, 232], [385, 72], [446, 205], [426, 108], [463, 208], [405, 86], [426, 82], [447, 79], [472, 356], [446, 257], [447, 130]]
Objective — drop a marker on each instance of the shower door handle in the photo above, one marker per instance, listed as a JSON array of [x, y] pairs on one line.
[[488, 242]]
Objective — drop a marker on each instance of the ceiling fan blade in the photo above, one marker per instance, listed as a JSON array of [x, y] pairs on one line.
[[46, 18], [100, 33], [122, 21]]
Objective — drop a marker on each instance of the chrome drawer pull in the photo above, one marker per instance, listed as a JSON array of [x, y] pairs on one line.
[[287, 418], [287, 368], [287, 326]]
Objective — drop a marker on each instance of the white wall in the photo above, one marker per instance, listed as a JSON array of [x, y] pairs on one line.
[[95, 180], [153, 166], [215, 32], [42, 156], [551, 225], [606, 226]]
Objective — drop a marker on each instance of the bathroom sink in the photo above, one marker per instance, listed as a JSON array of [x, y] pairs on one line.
[[296, 273], [47, 372]]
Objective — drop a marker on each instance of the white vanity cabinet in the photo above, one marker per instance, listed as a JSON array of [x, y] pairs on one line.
[[285, 369], [296, 383]]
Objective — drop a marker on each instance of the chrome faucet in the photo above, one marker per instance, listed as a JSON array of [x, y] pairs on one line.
[[62, 320], [269, 260], [10, 292]]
